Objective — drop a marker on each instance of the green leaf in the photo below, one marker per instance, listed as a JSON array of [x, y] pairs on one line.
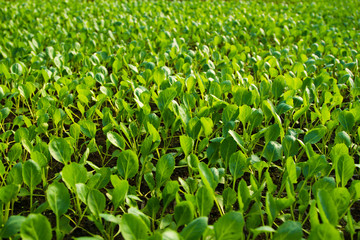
[[229, 198], [289, 230], [345, 168], [120, 190], [15, 174], [184, 213], [96, 202], [347, 120], [204, 201], [164, 169], [355, 189], [327, 208], [193, 128], [271, 208], [243, 196], [262, 229], [324, 231], [31, 173], [207, 176], [343, 137], [269, 182], [227, 148], [58, 198], [290, 146], [12, 226], [273, 151], [8, 193], [4, 70], [272, 133], [60, 150], [314, 165], [341, 198], [39, 158], [165, 97], [195, 229], [133, 227], [186, 144], [238, 164], [168, 194], [17, 69], [159, 76], [14, 152], [82, 192], [116, 139], [88, 128], [240, 142], [73, 174], [207, 125], [230, 226], [326, 183], [36, 227], [127, 164], [315, 135], [152, 207], [291, 170], [170, 234], [230, 113]]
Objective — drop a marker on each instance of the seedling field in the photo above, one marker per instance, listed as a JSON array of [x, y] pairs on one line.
[[179, 120]]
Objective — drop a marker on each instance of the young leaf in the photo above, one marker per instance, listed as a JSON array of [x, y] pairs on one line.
[[186, 144], [238, 164], [204, 200], [195, 229], [291, 170], [355, 189], [12, 226], [120, 190], [290, 146], [128, 164], [60, 150], [36, 227], [324, 231], [88, 128], [31, 173], [289, 230], [207, 176], [229, 198], [327, 208], [8, 193], [347, 120], [273, 151], [96, 202], [314, 165], [184, 213], [116, 140], [164, 169], [58, 198], [152, 207], [82, 192], [170, 190], [133, 227], [230, 226], [240, 142], [227, 148], [73, 174], [315, 135], [165, 97], [345, 167], [243, 196], [341, 198]]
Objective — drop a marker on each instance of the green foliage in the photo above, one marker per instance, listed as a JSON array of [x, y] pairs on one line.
[[179, 119]]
